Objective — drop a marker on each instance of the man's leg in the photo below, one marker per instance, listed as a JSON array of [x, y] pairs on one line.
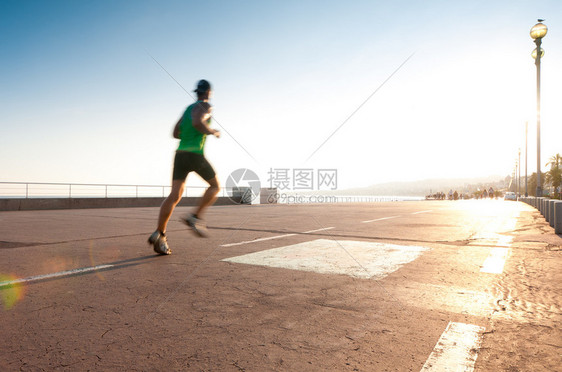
[[209, 197], [170, 203]]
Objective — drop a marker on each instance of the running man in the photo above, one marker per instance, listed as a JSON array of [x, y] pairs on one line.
[[192, 130]]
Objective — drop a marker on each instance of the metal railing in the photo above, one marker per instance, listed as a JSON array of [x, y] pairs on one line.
[[29, 190]]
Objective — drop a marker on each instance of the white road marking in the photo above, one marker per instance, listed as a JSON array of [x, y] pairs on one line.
[[273, 237], [420, 212], [456, 349], [322, 229], [257, 240], [496, 260], [354, 258], [379, 219], [54, 275]]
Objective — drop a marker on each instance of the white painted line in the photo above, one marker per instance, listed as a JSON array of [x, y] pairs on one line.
[[322, 229], [456, 349], [358, 259], [273, 237], [257, 240], [379, 219], [54, 275], [496, 260], [420, 212]]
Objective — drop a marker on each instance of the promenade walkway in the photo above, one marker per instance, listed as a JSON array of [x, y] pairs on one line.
[[398, 286]]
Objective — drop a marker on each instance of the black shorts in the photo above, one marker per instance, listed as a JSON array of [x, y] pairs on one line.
[[186, 162]]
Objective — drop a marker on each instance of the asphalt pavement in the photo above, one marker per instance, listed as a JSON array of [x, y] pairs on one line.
[[391, 286]]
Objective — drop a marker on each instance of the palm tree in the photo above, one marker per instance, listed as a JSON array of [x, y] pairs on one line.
[[554, 178], [555, 161], [554, 175]]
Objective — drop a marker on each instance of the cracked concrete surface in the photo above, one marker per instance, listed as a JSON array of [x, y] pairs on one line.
[[192, 311]]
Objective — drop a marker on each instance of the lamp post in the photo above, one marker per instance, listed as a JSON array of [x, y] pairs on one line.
[[537, 33], [526, 127], [519, 176], [515, 177]]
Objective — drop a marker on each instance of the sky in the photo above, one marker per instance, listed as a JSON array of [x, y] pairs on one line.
[[380, 91]]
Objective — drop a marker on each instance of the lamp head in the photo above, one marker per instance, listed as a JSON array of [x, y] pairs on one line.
[[534, 53], [539, 30]]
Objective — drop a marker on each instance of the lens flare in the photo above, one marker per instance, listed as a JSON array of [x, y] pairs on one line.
[[10, 292]]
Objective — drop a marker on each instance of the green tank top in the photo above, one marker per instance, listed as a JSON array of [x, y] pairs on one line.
[[191, 139]]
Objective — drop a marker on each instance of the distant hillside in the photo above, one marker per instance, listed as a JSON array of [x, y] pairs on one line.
[[425, 187]]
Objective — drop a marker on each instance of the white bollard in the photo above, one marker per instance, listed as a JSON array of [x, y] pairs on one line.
[[558, 217], [547, 210], [538, 204], [551, 212]]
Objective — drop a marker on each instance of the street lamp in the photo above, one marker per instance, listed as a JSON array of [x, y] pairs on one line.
[[526, 130], [537, 33], [515, 177], [519, 176]]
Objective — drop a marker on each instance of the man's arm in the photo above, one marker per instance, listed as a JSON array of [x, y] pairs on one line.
[[199, 115]]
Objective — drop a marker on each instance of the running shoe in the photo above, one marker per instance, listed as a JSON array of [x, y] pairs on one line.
[[160, 243], [197, 225]]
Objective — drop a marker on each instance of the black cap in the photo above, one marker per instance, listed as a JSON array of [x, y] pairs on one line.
[[202, 86]]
